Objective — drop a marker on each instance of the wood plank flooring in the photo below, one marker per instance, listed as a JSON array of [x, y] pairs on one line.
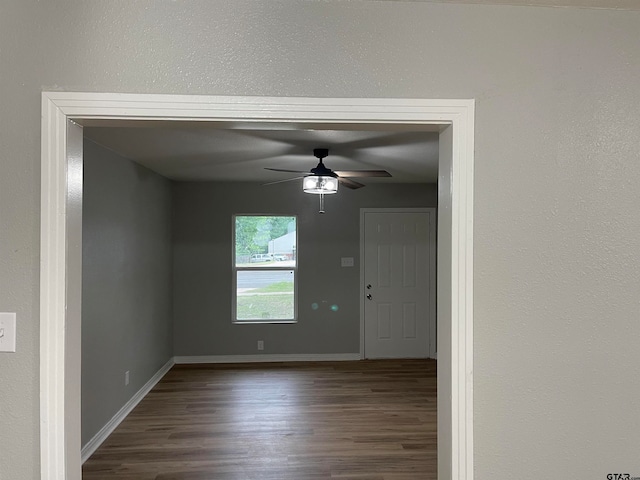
[[373, 420]]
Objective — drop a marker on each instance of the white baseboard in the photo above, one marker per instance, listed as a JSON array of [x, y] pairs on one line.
[[314, 357], [93, 444]]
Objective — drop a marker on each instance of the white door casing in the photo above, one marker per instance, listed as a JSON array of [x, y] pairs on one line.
[[60, 246], [398, 278]]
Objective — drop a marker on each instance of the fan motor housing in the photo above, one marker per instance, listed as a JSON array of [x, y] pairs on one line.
[[320, 153]]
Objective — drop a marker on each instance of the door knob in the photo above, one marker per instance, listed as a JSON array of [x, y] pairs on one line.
[[369, 286], [369, 296]]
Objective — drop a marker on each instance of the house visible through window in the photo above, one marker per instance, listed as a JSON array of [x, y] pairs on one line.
[[264, 268]]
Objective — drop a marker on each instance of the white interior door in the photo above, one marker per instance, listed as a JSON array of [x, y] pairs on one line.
[[399, 283]]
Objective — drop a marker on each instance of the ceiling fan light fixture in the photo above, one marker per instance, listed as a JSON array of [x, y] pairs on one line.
[[320, 184]]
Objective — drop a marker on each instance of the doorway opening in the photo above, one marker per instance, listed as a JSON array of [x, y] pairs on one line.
[[61, 226]]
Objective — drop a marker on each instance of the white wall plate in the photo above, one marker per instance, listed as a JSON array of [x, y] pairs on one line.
[[7, 332]]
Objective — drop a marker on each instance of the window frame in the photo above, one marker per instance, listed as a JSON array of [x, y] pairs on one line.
[[235, 269]]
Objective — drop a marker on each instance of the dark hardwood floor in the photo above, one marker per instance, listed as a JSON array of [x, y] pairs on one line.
[[373, 420]]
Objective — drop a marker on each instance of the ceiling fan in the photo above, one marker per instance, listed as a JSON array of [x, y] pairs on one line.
[[323, 180]]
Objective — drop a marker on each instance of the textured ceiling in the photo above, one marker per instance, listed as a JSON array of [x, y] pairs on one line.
[[198, 152], [609, 4]]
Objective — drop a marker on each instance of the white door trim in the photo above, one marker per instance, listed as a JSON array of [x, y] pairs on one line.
[[432, 283], [60, 247]]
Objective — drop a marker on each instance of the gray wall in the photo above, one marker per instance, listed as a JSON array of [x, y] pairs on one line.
[[126, 282], [202, 233], [556, 223]]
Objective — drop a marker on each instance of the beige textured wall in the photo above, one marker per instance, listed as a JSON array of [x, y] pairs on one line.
[[557, 227]]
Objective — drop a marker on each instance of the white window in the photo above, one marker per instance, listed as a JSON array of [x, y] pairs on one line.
[[265, 268]]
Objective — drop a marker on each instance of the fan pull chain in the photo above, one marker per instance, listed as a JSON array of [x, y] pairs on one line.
[[321, 203]]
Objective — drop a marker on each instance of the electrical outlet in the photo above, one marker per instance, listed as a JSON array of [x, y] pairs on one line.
[[260, 344], [126, 377], [7, 332]]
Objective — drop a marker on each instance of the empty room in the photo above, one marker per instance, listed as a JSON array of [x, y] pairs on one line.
[[237, 323], [537, 223]]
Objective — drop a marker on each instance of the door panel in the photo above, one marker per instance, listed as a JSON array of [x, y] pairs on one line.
[[384, 321], [398, 267], [409, 320]]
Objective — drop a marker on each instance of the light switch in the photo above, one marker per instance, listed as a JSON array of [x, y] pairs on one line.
[[7, 332], [347, 261]]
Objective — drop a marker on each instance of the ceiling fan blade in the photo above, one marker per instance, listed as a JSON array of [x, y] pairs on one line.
[[362, 173], [283, 170], [282, 181], [350, 183]]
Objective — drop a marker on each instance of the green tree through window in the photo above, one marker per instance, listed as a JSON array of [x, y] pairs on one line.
[[265, 267]]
